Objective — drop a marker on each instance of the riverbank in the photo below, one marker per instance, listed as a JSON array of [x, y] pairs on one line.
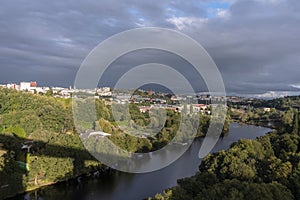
[[266, 168], [252, 123], [115, 185], [72, 180], [41, 183]]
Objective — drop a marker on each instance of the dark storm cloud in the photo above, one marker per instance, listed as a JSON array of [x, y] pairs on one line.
[[254, 43]]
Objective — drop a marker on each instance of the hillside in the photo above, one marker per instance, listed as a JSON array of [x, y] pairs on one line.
[[265, 168], [39, 144]]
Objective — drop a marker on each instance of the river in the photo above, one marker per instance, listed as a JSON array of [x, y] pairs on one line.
[[123, 186]]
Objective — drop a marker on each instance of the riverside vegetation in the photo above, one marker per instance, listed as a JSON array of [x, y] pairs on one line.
[[265, 168], [39, 144]]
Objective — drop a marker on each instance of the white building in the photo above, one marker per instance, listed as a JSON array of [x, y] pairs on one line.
[[25, 86], [42, 89], [12, 86]]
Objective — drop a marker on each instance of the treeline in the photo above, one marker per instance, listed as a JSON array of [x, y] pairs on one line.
[[114, 120], [265, 168], [283, 121], [283, 103], [38, 144]]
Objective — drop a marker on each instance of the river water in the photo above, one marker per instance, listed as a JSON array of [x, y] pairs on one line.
[[123, 186]]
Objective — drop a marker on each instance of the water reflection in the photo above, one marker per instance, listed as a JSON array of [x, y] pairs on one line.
[[121, 185]]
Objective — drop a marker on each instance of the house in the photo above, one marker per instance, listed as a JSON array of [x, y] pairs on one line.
[[25, 86], [28, 86], [144, 109], [12, 86], [199, 107], [99, 133], [33, 84]]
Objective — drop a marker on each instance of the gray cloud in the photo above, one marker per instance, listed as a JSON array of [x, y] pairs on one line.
[[255, 43], [257, 47]]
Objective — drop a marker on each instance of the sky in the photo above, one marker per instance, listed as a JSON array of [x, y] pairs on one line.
[[254, 43]]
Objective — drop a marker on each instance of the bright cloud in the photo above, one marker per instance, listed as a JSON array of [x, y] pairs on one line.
[[223, 13], [182, 22], [295, 85]]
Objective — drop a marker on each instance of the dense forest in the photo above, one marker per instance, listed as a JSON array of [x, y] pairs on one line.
[[40, 145], [282, 104], [265, 168]]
